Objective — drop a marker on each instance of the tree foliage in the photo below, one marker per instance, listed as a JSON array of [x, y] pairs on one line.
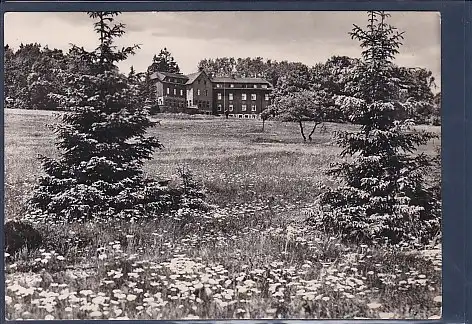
[[383, 195], [164, 62], [298, 106]]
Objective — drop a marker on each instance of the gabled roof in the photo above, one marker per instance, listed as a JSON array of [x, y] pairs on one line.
[[193, 76], [162, 75]]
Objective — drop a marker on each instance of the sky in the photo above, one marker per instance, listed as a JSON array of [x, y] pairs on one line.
[[309, 37]]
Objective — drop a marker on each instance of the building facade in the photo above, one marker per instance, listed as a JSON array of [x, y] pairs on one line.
[[171, 91], [198, 93], [240, 97]]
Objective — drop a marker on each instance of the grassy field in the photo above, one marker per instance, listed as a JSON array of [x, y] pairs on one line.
[[252, 262]]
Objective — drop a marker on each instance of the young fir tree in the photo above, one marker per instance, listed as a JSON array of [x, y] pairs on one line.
[[384, 195], [102, 142]]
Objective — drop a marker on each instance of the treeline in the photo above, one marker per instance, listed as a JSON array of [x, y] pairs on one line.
[[34, 77], [335, 79]]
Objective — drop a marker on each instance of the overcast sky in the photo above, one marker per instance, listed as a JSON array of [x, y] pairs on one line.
[[307, 37]]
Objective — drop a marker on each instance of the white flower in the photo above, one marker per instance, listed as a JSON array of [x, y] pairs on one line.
[[131, 297], [96, 314]]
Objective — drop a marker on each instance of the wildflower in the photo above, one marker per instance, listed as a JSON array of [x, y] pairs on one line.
[[96, 314], [131, 297], [374, 305], [383, 315], [8, 300]]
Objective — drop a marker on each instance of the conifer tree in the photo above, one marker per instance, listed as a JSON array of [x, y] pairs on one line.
[[102, 142], [164, 62], [384, 195]]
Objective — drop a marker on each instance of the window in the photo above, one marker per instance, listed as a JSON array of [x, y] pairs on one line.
[[266, 97], [218, 85], [175, 92], [231, 107], [264, 86], [253, 107], [168, 90], [243, 107], [204, 82], [231, 85], [206, 92], [219, 96], [219, 107], [253, 96], [181, 92], [255, 86], [230, 96], [244, 97], [198, 92]]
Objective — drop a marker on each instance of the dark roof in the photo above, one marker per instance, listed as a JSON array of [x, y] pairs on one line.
[[239, 80], [162, 75], [193, 76]]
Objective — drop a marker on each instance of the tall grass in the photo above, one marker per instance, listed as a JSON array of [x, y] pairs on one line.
[[252, 257]]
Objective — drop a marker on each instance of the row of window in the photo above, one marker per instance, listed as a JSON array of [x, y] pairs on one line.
[[175, 91], [182, 92], [243, 107], [264, 86], [176, 80], [200, 104], [243, 96], [253, 116], [198, 92], [171, 103]]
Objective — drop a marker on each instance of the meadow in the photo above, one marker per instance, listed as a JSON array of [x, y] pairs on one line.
[[251, 257]]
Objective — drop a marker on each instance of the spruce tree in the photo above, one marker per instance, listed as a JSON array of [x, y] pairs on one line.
[[102, 142], [164, 62], [384, 195]]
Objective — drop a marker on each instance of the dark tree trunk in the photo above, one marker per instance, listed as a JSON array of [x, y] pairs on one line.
[[313, 130], [301, 130]]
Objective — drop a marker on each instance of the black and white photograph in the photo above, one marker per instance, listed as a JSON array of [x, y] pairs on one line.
[[222, 165]]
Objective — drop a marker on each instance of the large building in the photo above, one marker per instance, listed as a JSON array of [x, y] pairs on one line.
[[198, 93], [241, 97]]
